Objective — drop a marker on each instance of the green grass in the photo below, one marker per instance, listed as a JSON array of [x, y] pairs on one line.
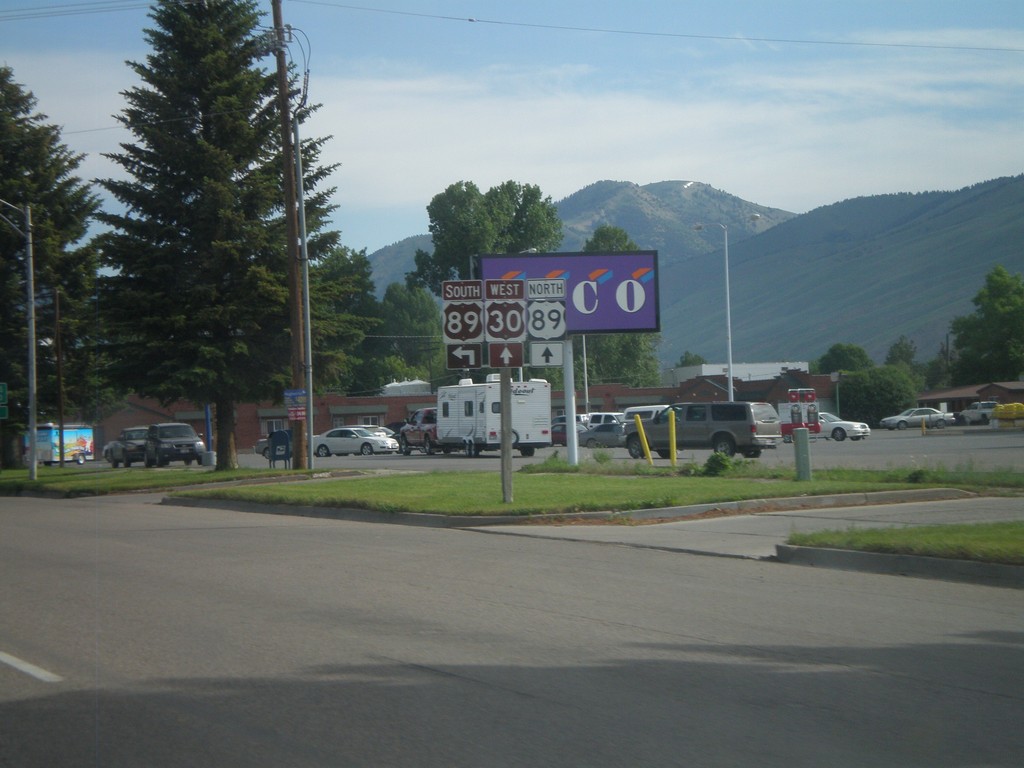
[[480, 493], [77, 480], [984, 542]]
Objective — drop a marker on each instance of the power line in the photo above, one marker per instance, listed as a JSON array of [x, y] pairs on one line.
[[679, 35], [71, 9]]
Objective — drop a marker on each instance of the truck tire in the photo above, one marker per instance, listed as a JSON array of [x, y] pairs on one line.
[[636, 450], [403, 445], [723, 443], [428, 445]]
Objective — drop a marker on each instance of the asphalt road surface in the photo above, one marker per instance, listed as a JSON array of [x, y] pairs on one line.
[[135, 634]]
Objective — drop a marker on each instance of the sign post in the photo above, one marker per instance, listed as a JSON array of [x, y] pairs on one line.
[[505, 330]]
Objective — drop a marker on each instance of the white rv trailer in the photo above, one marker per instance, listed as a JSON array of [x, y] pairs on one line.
[[469, 416]]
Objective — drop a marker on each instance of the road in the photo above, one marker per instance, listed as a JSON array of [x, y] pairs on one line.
[[186, 636], [977, 448]]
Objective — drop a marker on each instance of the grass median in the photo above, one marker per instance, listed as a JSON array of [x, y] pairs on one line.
[[982, 542]]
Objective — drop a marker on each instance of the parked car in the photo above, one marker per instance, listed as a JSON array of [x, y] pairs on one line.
[[376, 429], [839, 429], [130, 446], [558, 433], [643, 411], [581, 418], [728, 428], [611, 434], [914, 417], [172, 442], [978, 413], [342, 441], [605, 417]]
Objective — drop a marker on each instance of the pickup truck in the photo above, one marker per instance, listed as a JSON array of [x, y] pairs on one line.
[[419, 431], [978, 413], [130, 446]]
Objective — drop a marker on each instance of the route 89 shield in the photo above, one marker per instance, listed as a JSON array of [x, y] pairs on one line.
[[462, 321], [546, 320]]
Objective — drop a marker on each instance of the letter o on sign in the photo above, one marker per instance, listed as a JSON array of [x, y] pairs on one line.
[[630, 296]]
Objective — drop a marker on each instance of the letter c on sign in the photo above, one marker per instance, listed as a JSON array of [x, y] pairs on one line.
[[630, 296], [584, 297]]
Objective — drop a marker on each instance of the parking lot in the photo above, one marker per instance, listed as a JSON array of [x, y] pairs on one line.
[[979, 448]]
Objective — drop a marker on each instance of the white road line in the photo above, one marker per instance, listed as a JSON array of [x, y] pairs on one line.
[[29, 669]]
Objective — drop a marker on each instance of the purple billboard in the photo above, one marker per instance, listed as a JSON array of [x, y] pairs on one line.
[[604, 292]]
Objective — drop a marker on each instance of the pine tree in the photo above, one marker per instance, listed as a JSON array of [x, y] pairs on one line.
[[37, 169], [198, 302]]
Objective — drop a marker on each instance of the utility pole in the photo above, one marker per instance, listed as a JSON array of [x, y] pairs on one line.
[[298, 426]]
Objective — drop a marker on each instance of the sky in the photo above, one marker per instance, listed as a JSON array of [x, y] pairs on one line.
[[788, 104]]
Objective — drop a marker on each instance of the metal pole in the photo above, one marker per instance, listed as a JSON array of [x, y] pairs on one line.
[[31, 291], [728, 313], [30, 308], [569, 384]]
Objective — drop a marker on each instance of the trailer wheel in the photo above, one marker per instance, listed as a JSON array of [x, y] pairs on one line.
[[526, 451]]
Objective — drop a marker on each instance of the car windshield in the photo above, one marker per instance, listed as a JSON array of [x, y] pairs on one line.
[[826, 417], [177, 430], [362, 433], [135, 434]]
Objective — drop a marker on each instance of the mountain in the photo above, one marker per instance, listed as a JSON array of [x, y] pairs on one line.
[[863, 271]]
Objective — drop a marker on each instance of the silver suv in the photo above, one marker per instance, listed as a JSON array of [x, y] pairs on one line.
[[729, 428]]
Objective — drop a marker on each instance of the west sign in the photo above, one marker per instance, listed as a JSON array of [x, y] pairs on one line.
[[604, 292]]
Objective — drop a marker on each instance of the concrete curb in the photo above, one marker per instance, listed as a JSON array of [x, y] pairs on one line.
[[747, 506], [945, 569]]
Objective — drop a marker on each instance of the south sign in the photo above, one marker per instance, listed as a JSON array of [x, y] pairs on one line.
[[604, 292]]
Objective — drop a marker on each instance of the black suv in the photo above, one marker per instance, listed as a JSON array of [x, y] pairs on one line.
[[172, 442]]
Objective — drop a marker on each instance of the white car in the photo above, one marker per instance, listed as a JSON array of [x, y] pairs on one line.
[[914, 417], [344, 440], [839, 429]]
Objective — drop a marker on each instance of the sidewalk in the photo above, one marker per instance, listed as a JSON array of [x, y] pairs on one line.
[[760, 535]]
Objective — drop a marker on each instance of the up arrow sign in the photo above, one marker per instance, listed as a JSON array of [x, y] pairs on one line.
[[506, 357]]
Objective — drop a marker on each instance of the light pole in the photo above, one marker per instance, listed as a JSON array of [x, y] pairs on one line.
[[728, 308], [30, 288]]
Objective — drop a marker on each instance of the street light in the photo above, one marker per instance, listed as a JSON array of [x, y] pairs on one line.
[[728, 309], [30, 288]]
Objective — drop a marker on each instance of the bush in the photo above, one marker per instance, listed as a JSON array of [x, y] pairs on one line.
[[717, 464]]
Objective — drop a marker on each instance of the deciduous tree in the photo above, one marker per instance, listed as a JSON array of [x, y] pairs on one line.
[[989, 343], [464, 222]]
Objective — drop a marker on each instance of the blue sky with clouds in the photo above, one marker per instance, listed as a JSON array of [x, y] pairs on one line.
[[787, 104]]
